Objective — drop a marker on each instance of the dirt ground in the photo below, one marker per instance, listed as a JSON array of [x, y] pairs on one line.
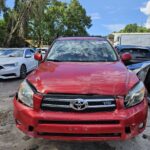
[[12, 139]]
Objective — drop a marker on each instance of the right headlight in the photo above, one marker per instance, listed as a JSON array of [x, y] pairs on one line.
[[135, 95], [11, 65], [25, 94]]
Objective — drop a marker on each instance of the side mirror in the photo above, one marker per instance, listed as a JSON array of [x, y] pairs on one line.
[[38, 56], [126, 57]]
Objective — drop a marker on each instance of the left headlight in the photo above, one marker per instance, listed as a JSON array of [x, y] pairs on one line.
[[11, 65], [135, 95], [25, 94]]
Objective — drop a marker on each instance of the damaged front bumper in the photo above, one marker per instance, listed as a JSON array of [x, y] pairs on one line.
[[120, 124]]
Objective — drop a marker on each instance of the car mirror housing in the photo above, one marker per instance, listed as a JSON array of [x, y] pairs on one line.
[[38, 56], [126, 57]]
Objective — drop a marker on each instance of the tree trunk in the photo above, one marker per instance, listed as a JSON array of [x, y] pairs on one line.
[[19, 21]]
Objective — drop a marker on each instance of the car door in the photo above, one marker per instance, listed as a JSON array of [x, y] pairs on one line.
[[29, 60], [33, 61]]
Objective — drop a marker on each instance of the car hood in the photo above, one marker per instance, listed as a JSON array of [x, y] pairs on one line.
[[82, 78], [8, 60], [139, 65]]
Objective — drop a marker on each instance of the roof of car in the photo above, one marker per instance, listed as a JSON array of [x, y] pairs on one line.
[[24, 48], [82, 38], [132, 46]]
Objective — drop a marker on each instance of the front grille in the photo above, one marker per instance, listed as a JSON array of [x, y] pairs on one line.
[[78, 103], [1, 67], [9, 75]]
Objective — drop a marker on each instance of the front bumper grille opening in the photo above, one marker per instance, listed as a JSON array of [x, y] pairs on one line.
[[102, 122], [9, 75], [79, 135], [62, 102], [74, 111]]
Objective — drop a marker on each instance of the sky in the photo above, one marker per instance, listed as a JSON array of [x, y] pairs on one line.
[[113, 15]]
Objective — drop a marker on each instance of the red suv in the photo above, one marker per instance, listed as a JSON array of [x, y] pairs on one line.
[[81, 91]]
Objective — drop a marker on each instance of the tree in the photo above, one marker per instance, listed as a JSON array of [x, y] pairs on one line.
[[132, 28], [76, 20], [2, 31], [2, 5], [18, 17], [59, 19], [43, 20], [38, 26]]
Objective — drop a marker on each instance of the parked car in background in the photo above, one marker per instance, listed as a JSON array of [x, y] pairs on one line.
[[81, 91], [140, 62], [16, 62]]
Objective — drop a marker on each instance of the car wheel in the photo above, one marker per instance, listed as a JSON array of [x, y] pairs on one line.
[[23, 72]]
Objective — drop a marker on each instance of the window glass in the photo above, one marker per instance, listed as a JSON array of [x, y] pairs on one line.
[[82, 50]]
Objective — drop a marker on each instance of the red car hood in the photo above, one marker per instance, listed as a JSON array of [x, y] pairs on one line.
[[82, 78]]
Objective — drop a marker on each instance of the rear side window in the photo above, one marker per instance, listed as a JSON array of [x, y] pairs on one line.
[[28, 52], [137, 53]]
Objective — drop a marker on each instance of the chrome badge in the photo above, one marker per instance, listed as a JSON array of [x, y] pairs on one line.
[[79, 104]]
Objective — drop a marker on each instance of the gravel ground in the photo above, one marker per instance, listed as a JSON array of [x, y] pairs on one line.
[[12, 139]]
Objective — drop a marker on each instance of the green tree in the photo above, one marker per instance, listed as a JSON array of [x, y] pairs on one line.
[[133, 28], [38, 26], [19, 16], [2, 5], [2, 31], [59, 19], [43, 20], [76, 19]]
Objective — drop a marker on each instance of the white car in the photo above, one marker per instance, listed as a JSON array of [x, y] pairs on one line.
[[16, 62]]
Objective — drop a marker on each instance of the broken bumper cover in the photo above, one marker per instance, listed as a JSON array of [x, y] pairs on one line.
[[120, 124]]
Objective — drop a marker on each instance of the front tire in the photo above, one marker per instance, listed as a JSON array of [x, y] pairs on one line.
[[23, 72]]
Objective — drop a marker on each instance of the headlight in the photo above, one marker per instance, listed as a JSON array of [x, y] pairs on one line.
[[135, 95], [25, 94], [11, 65]]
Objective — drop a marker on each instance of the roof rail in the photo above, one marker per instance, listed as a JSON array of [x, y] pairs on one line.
[[81, 36]]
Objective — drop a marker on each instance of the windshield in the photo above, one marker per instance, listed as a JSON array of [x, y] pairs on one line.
[[82, 51], [11, 53]]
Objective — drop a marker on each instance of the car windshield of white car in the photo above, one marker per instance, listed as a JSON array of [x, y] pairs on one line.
[[82, 51], [11, 53]]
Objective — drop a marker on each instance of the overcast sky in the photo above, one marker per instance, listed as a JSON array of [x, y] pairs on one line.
[[112, 15]]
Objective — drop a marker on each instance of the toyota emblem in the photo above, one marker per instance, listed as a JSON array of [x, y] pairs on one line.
[[79, 104]]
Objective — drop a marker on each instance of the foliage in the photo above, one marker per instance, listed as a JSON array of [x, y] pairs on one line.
[[2, 5], [133, 28], [2, 31], [59, 19], [43, 20]]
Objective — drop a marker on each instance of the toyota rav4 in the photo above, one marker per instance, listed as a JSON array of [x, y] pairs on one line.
[[81, 91]]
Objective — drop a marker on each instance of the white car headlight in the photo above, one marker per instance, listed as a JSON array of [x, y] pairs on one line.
[[25, 94], [11, 65], [135, 95]]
